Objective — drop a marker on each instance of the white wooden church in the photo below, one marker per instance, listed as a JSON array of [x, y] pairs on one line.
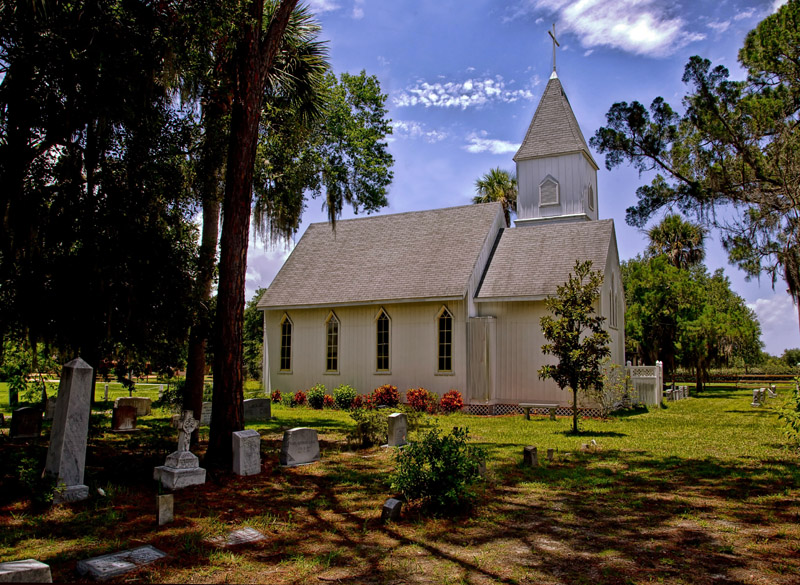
[[449, 298]]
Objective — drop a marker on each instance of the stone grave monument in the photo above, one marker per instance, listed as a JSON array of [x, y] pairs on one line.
[[391, 510], [246, 452], [530, 456], [50, 408], [107, 566], [300, 446], [257, 409], [26, 423], [25, 571], [66, 455], [142, 404], [398, 429], [182, 467], [123, 420], [205, 414]]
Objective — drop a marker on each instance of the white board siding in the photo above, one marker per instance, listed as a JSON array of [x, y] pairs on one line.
[[413, 348], [574, 175]]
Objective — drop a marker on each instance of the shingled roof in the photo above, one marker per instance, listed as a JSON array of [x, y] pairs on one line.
[[554, 129], [405, 256], [531, 261]]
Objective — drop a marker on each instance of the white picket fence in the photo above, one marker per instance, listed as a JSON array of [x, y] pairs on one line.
[[647, 383]]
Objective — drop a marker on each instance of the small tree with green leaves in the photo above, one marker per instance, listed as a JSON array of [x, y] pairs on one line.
[[575, 335]]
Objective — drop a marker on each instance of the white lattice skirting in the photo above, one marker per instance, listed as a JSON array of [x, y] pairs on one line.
[[496, 409]]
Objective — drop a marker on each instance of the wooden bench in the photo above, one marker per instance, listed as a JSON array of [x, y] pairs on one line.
[[528, 406]]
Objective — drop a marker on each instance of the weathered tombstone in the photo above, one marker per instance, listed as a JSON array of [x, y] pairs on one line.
[[550, 454], [246, 452], [175, 422], [123, 419], [530, 456], [165, 508], [50, 408], [772, 390], [398, 429], [391, 510], [26, 423], [245, 535], [105, 394], [25, 571], [142, 404], [107, 566], [300, 446], [257, 409], [182, 467], [205, 415], [66, 455]]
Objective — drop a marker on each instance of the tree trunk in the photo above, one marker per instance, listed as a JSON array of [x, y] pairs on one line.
[[253, 59], [575, 410]]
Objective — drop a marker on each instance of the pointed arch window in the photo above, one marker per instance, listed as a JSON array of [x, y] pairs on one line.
[[286, 344], [613, 308], [332, 343], [444, 327], [383, 327], [548, 191], [590, 198]]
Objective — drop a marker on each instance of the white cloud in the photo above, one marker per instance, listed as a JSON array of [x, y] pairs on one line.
[[777, 4], [465, 94], [319, 6], [414, 130], [383, 61], [477, 143], [642, 27], [358, 9], [778, 318], [589, 52], [718, 26], [745, 14]]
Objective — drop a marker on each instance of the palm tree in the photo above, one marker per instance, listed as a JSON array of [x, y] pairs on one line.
[[498, 185], [682, 242]]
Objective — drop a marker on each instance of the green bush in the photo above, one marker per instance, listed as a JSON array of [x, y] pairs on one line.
[[344, 395], [789, 414], [371, 428], [316, 396], [440, 471], [287, 399]]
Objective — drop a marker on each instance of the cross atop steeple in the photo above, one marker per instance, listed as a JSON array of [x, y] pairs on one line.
[[555, 44]]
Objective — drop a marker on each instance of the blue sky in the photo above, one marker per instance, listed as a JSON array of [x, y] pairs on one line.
[[463, 79]]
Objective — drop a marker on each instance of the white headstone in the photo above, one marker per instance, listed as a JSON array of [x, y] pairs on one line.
[[205, 415], [300, 446], [182, 468], [66, 455], [246, 452], [25, 571], [107, 566], [165, 508], [142, 404], [398, 429]]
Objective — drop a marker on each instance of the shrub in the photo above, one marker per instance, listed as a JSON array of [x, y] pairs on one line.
[[276, 396], [328, 401], [344, 395], [385, 395], [371, 427], [316, 396], [299, 398], [451, 401], [421, 400], [789, 414], [287, 399], [440, 471], [364, 401]]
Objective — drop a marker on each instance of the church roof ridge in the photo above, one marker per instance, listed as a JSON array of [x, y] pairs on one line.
[[400, 213], [554, 130]]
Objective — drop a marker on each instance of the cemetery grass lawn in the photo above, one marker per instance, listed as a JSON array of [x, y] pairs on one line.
[[703, 491]]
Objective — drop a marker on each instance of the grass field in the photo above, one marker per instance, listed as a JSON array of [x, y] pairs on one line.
[[703, 491]]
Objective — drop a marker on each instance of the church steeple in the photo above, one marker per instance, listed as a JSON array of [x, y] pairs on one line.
[[556, 173]]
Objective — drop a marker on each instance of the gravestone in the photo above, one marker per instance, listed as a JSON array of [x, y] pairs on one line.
[[246, 452], [182, 468], [165, 508], [107, 566], [257, 409], [530, 456], [123, 419], [105, 393], [300, 446], [66, 455], [26, 423], [142, 404], [550, 454], [391, 510], [398, 429], [175, 421], [50, 408], [236, 537], [25, 571], [205, 414]]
